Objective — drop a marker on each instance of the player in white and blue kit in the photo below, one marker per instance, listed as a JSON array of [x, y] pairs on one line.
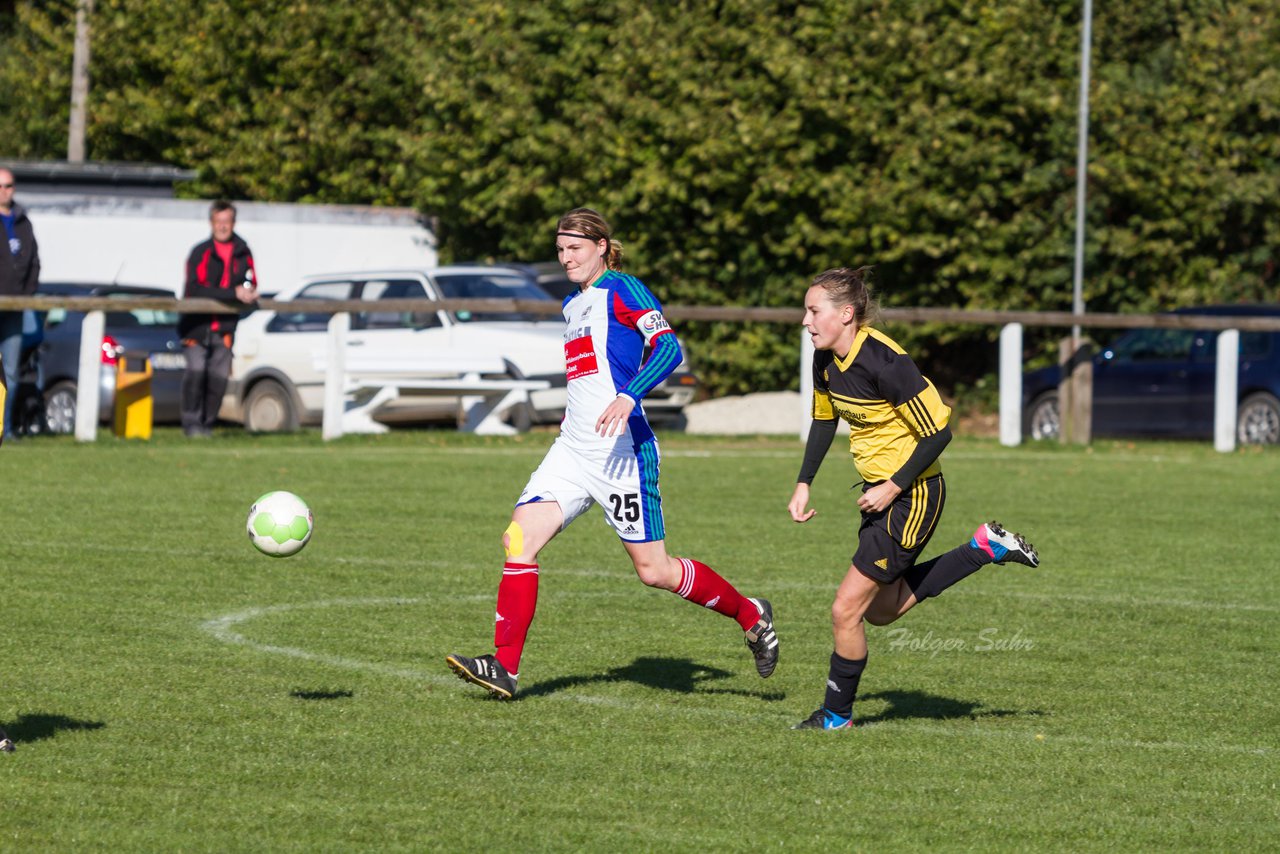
[[606, 454]]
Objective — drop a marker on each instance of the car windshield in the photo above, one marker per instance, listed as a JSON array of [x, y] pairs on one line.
[[1154, 345], [145, 317], [492, 286], [142, 317]]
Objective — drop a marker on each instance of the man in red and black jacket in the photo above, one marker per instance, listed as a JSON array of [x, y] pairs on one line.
[[220, 268]]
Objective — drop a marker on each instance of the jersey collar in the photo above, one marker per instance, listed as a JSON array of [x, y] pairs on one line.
[[858, 339]]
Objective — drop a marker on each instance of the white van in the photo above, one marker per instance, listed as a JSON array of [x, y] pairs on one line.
[[145, 241]]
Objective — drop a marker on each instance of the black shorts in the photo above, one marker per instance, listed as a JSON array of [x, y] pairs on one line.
[[889, 542]]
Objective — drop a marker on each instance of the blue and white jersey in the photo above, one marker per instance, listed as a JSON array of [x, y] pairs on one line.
[[606, 329]]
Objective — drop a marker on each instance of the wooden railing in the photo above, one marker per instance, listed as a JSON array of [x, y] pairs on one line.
[[961, 316], [1011, 323]]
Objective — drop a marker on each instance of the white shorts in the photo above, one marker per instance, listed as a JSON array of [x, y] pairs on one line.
[[623, 480]]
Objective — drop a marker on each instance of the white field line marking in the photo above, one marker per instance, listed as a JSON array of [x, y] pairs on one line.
[[223, 629]]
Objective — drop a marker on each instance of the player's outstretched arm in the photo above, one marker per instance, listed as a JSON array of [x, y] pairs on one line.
[[821, 432], [798, 505]]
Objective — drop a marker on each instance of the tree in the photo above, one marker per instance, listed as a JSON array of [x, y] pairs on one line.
[[738, 147]]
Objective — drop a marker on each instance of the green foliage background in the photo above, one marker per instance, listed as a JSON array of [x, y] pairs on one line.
[[737, 147]]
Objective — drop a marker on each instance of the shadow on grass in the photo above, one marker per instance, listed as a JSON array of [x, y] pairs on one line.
[[904, 705], [680, 675], [39, 726], [340, 694]]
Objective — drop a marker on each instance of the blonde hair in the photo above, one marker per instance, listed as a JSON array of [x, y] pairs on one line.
[[847, 286], [591, 225]]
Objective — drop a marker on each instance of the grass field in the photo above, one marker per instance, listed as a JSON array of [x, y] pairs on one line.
[[171, 689]]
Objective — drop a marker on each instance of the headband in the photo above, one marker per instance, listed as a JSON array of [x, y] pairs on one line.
[[608, 244]]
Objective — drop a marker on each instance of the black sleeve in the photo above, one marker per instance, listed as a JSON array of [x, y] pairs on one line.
[[189, 273], [929, 449], [820, 435], [33, 271]]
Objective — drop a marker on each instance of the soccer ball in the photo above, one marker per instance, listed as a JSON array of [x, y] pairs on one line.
[[279, 524]]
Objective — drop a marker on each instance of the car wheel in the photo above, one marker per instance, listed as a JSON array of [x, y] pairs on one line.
[[1043, 419], [269, 409], [60, 408], [1258, 420], [28, 415], [521, 417]]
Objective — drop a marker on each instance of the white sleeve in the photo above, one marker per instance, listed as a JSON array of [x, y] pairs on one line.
[[652, 323]]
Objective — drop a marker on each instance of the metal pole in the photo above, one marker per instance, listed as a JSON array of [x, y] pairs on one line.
[[1082, 166], [79, 83]]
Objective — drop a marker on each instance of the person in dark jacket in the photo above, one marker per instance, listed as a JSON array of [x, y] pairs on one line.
[[219, 268], [19, 275]]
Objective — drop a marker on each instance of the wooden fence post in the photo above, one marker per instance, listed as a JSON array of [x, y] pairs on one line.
[[335, 375], [1226, 390], [89, 375], [1011, 384], [1075, 393]]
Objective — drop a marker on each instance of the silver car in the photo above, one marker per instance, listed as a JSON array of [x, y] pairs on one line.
[[277, 376]]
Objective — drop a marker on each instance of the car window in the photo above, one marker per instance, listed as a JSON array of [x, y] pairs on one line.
[[1154, 345], [558, 285], [155, 317], [491, 286], [395, 289], [1253, 345], [298, 321], [146, 317], [1256, 345], [139, 316], [1204, 349]]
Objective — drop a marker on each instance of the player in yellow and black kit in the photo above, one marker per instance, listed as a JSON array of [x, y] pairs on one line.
[[897, 430]]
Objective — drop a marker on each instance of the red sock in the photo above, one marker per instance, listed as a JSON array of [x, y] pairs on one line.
[[701, 584], [517, 598]]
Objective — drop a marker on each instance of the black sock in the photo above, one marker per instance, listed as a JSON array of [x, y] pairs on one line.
[[842, 684], [933, 576]]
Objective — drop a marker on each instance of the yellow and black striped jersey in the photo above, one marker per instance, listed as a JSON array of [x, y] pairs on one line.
[[888, 403]]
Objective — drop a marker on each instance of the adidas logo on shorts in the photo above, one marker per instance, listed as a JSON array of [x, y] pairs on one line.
[[630, 529]]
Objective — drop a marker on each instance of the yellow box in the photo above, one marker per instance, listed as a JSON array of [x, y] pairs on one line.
[[133, 408]]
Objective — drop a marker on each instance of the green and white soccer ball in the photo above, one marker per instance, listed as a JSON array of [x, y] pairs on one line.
[[280, 524]]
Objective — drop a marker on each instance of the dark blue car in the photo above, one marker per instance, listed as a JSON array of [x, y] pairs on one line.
[[128, 330], [1160, 382]]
